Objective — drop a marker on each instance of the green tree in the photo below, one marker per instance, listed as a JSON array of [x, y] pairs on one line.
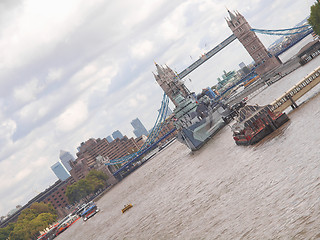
[[43, 208], [94, 181], [72, 193], [314, 19], [31, 220], [98, 174], [5, 232], [97, 179]]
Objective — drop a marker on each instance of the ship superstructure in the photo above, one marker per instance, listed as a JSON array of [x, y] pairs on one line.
[[196, 118]]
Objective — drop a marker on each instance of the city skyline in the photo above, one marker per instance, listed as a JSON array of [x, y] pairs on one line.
[[75, 70], [65, 158], [60, 171], [117, 134], [138, 128]]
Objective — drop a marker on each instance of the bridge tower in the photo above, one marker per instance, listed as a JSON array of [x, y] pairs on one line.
[[241, 29], [170, 83]]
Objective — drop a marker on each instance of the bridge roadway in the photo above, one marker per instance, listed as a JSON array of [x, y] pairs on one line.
[[290, 97], [222, 45], [207, 56]]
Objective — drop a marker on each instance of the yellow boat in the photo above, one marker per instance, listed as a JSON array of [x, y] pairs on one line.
[[126, 207]]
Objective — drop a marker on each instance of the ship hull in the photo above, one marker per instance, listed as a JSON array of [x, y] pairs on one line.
[[259, 135], [197, 135]]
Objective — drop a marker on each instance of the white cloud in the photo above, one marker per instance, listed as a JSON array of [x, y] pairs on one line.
[[39, 27], [34, 111], [54, 75], [172, 27], [142, 49], [142, 10], [136, 100], [70, 119], [7, 129], [94, 74], [28, 92]]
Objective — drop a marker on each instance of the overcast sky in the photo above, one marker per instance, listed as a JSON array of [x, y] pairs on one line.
[[76, 69]]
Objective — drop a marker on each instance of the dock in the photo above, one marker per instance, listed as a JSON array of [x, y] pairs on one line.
[[290, 97]]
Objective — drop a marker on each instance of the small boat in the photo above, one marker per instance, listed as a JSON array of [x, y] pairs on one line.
[[256, 122], [64, 224], [89, 211], [126, 207]]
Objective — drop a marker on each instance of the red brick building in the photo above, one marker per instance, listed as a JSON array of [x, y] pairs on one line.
[[90, 150], [167, 126]]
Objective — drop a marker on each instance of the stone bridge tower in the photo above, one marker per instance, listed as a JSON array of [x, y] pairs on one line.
[[241, 29], [170, 83]]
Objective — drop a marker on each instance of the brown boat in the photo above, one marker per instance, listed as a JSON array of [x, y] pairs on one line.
[[256, 122]]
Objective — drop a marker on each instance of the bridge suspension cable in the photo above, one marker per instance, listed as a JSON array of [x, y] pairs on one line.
[[158, 126], [284, 32]]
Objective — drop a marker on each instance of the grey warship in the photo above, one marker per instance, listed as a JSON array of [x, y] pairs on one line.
[[197, 119]]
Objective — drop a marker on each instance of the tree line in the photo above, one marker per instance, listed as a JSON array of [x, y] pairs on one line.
[[314, 19], [40, 215], [94, 181], [31, 220]]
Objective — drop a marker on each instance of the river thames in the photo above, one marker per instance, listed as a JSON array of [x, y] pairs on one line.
[[223, 191]]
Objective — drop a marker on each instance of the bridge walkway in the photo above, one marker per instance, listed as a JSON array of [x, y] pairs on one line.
[[207, 56], [290, 97]]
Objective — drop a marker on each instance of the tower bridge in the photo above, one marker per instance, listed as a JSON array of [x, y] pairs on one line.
[[171, 82], [205, 57], [246, 35]]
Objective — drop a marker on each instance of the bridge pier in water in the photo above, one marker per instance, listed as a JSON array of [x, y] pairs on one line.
[[294, 105]]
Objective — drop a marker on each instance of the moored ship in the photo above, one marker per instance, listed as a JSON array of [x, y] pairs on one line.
[[197, 122], [256, 122], [196, 118]]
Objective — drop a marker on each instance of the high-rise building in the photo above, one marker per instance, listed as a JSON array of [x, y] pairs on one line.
[[117, 134], [60, 171], [66, 158], [109, 139], [139, 129], [242, 65], [92, 150]]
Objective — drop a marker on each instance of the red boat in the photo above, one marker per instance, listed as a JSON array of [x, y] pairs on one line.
[[256, 122]]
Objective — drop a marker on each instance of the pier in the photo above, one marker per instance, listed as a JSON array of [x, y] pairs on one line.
[[290, 97]]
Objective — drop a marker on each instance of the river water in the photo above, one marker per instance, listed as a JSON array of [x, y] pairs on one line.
[[267, 191]]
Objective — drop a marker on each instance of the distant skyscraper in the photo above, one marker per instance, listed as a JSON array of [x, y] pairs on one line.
[[139, 129], [242, 65], [109, 139], [65, 158], [117, 134], [60, 171]]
